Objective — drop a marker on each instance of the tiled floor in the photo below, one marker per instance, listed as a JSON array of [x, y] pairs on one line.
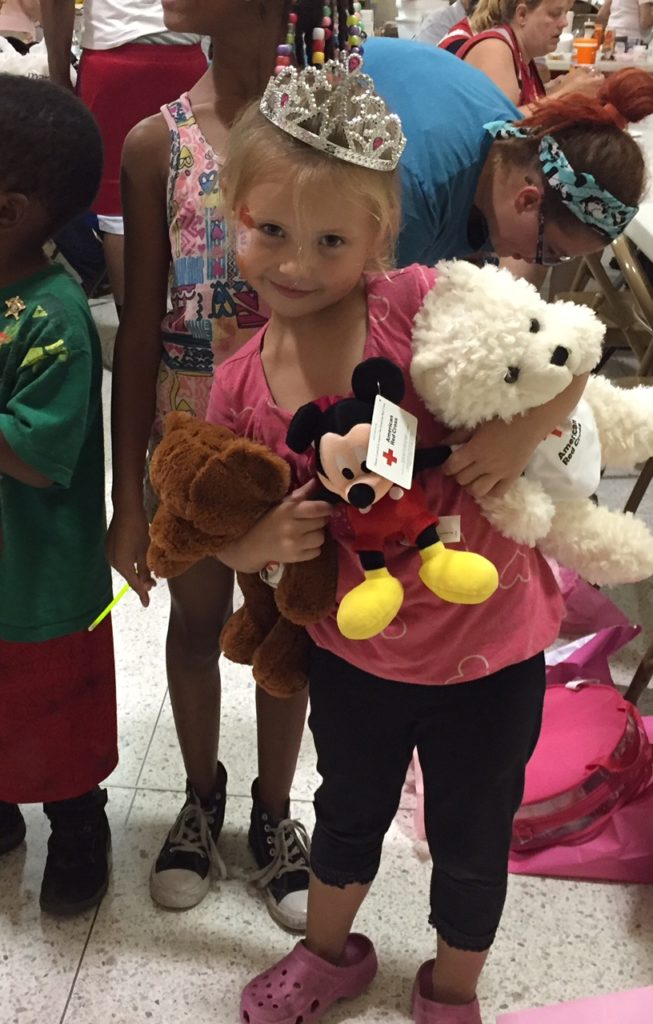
[[132, 963]]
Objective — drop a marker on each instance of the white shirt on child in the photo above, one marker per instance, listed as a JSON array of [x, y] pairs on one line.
[[111, 23]]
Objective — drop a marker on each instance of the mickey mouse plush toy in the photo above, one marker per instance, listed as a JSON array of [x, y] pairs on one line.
[[379, 510]]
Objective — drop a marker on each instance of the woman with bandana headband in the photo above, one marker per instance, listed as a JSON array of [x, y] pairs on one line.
[[468, 188]]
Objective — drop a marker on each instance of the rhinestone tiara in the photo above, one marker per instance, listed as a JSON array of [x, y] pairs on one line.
[[337, 111]]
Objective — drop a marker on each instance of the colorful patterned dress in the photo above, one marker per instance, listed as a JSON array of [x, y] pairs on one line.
[[213, 310]]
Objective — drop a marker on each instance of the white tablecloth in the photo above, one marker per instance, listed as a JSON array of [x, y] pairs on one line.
[[640, 229], [563, 64]]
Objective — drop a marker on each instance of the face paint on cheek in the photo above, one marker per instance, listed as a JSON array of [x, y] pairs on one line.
[[245, 217], [242, 241], [245, 228]]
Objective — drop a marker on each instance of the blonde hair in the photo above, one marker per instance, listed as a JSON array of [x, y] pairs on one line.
[[259, 151], [490, 13]]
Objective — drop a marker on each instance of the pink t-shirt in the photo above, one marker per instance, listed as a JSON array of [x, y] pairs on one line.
[[430, 641]]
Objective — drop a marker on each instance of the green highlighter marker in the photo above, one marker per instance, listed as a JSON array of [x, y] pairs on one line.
[[121, 593]]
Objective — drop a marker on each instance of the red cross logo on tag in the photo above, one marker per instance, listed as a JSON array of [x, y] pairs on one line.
[[391, 448]]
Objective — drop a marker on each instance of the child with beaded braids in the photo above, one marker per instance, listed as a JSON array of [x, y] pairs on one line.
[[175, 228]]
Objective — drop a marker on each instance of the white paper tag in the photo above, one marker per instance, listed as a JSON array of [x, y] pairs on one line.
[[391, 451], [578, 684], [449, 529]]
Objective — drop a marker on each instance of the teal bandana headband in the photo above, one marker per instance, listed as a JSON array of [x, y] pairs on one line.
[[579, 191]]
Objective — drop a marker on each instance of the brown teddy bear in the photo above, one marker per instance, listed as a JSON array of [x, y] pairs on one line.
[[213, 487]]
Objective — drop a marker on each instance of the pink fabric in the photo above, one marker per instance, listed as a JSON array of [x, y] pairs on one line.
[[587, 610], [593, 756], [587, 658], [565, 743], [430, 641], [633, 1007], [622, 852], [19, 17]]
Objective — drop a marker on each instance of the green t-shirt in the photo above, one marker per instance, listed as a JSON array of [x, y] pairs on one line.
[[54, 577]]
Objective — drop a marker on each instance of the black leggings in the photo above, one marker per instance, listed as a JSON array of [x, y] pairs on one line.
[[473, 739]]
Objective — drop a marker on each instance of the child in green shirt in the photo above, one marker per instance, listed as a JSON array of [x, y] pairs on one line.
[[57, 683]]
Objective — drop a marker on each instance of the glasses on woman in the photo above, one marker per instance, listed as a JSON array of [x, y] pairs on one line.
[[542, 257]]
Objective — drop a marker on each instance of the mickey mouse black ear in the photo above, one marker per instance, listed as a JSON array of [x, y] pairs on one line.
[[303, 427], [378, 376]]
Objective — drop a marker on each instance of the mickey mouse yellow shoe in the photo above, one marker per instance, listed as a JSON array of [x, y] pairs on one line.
[[461, 577], [371, 606]]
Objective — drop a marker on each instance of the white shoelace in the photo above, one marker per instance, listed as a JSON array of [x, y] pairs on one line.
[[290, 851], [191, 833]]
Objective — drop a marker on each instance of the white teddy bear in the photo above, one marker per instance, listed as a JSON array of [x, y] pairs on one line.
[[487, 346]]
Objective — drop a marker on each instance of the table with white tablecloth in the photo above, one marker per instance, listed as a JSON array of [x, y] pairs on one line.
[[640, 229]]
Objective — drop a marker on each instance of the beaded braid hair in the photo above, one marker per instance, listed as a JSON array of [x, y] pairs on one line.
[[331, 15]]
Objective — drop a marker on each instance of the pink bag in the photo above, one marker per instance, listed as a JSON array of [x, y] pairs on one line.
[[586, 661], [621, 852], [592, 757], [586, 608]]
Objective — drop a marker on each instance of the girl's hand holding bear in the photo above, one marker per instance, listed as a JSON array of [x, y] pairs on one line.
[[294, 531]]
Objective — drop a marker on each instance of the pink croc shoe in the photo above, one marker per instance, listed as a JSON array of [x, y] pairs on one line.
[[427, 1011], [301, 987]]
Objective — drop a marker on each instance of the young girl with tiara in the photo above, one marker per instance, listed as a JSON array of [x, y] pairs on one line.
[[310, 181]]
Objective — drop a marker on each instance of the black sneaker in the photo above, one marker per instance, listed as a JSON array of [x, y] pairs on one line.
[[12, 827], [281, 849], [78, 864], [181, 876]]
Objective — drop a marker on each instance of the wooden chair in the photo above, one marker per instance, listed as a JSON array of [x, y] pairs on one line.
[[628, 315], [640, 288], [642, 677], [644, 671]]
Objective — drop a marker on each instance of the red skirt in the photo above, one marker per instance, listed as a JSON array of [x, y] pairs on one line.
[[122, 86], [58, 730]]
